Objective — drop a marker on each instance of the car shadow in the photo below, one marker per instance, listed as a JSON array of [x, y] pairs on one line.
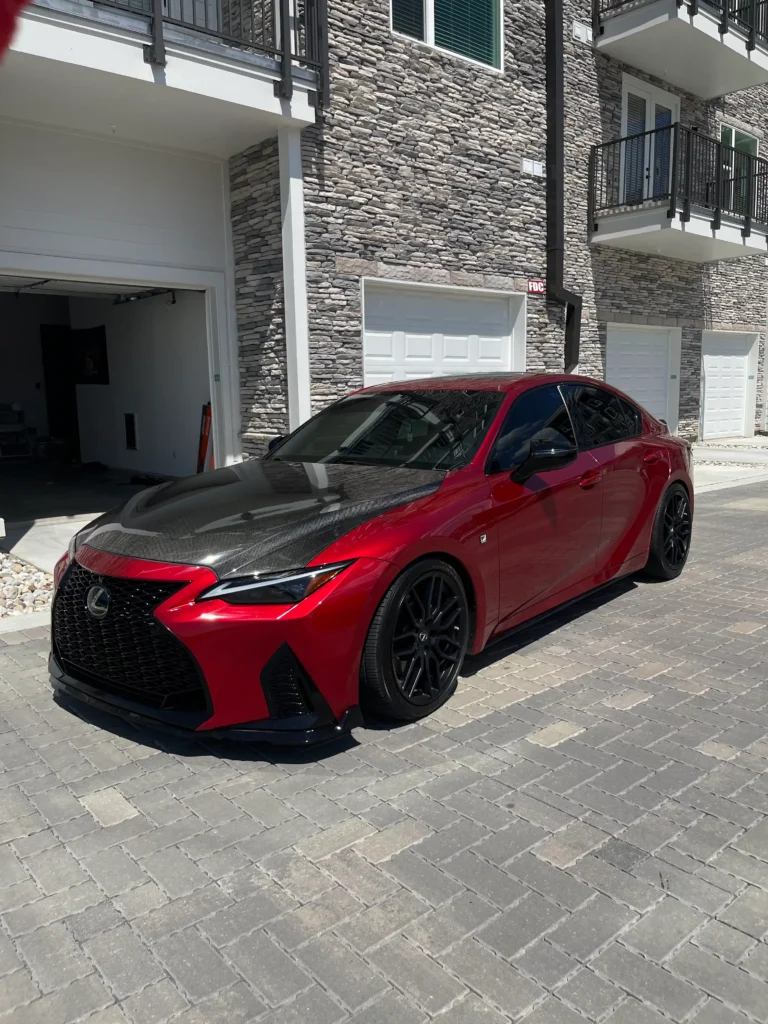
[[197, 746], [531, 632], [230, 750]]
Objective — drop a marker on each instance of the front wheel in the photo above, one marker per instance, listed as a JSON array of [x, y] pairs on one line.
[[416, 643], [671, 536]]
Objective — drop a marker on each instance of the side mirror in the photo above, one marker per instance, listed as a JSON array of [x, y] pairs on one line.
[[275, 442], [543, 456]]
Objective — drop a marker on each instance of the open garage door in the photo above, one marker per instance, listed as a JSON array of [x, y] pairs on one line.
[[101, 393]]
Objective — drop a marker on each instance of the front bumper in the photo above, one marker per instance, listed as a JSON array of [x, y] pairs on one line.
[[285, 732], [248, 657]]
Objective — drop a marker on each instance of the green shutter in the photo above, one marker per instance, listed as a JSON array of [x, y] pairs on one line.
[[469, 27], [408, 17]]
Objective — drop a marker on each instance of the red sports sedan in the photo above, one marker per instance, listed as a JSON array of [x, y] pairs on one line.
[[366, 554]]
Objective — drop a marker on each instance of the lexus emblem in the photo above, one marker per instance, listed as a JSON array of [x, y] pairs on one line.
[[97, 602]]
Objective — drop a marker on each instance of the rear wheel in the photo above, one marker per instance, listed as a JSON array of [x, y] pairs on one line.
[[416, 643], [671, 537]]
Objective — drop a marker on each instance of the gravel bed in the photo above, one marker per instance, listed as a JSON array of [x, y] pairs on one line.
[[23, 588]]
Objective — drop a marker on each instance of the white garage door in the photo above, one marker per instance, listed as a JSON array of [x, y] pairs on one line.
[[638, 363], [725, 366], [413, 332]]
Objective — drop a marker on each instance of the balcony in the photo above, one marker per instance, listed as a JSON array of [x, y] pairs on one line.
[[706, 47], [677, 193], [208, 76]]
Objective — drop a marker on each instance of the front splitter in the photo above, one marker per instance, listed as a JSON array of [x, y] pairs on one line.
[[72, 692]]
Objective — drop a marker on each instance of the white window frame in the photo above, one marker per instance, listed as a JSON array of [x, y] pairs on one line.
[[732, 161], [654, 95], [637, 85], [732, 128], [429, 37]]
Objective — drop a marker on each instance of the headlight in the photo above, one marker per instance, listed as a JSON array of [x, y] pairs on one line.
[[274, 588], [74, 544]]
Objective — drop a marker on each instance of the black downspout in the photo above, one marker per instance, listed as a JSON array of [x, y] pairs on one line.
[[556, 290]]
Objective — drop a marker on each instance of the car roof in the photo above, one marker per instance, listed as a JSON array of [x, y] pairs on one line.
[[479, 382]]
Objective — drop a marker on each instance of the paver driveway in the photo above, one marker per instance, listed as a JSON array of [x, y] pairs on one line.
[[581, 835]]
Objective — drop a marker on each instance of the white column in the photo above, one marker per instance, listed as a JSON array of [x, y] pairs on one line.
[[294, 276]]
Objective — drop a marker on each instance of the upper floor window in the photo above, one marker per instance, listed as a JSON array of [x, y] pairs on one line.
[[738, 167], [471, 28]]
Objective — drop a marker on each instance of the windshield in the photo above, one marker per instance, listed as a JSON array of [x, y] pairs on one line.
[[419, 429]]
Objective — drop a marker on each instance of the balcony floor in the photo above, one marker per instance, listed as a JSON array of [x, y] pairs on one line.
[[652, 232], [85, 72], [663, 40]]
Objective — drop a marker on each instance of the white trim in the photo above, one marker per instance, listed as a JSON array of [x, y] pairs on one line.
[[226, 444], [674, 364], [294, 277], [652, 97], [734, 128], [230, 382], [429, 37], [750, 398], [518, 313], [631, 84]]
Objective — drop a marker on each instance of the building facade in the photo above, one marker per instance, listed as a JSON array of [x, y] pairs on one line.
[[425, 207], [360, 192]]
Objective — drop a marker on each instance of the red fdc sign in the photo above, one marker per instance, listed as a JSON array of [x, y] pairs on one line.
[[536, 287]]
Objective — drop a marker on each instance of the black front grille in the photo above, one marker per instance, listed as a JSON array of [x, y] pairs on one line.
[[128, 652]]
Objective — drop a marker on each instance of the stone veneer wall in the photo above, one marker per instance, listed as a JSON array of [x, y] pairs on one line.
[[414, 173], [257, 240], [628, 287]]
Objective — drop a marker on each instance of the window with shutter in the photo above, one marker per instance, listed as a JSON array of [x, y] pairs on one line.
[[408, 17], [472, 28], [469, 27]]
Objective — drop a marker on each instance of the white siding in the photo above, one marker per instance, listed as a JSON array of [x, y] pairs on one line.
[[158, 370]]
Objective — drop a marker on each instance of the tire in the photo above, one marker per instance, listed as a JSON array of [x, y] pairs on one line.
[[416, 643], [671, 536]]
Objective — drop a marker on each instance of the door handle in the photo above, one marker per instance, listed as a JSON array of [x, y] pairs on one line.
[[655, 457], [590, 478]]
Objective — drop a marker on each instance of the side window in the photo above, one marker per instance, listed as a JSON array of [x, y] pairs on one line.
[[539, 413], [600, 417]]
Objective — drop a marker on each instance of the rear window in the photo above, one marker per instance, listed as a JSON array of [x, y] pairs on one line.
[[601, 417]]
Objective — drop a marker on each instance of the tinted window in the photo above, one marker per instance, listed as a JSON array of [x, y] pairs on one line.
[[539, 413], [600, 417], [420, 429]]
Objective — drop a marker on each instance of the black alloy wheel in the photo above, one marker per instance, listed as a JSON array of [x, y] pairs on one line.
[[677, 528], [416, 643], [671, 536], [430, 637]]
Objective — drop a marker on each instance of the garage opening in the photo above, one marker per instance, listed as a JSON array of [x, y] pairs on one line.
[[412, 331], [102, 391]]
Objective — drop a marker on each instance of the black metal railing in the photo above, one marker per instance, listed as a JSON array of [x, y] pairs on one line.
[[749, 17], [681, 169], [293, 32]]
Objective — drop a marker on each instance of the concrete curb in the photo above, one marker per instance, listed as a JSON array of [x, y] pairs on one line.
[[21, 623], [757, 478]]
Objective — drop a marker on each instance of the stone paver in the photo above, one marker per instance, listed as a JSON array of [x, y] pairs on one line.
[[580, 837]]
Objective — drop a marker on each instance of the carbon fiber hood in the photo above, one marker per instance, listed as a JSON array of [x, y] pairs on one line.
[[258, 516]]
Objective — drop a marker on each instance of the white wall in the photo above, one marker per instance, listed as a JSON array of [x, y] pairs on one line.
[[21, 359], [71, 195], [158, 370]]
